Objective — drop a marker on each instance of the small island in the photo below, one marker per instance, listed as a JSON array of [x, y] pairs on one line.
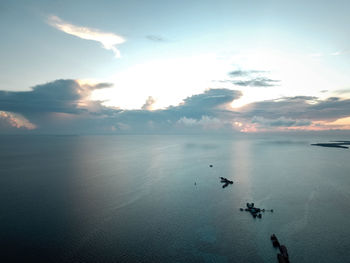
[[333, 144]]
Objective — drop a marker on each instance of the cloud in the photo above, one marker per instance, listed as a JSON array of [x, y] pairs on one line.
[[251, 78], [10, 120], [211, 98], [156, 38], [342, 91], [331, 109], [207, 111], [243, 73], [107, 40], [299, 107], [280, 122], [149, 103], [257, 82], [206, 122], [64, 106], [64, 96]]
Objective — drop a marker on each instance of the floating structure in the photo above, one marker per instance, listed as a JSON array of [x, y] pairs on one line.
[[255, 211], [225, 181], [283, 256]]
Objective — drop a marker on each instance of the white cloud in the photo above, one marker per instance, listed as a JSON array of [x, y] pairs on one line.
[[148, 104], [15, 121], [206, 122], [108, 40]]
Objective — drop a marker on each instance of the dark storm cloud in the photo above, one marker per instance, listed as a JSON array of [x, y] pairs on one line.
[[64, 96]]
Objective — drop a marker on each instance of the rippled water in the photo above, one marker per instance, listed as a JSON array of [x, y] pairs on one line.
[[134, 199]]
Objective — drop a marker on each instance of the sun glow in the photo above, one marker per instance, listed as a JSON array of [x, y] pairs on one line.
[[167, 81]]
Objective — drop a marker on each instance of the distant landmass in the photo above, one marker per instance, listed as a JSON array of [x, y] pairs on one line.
[[334, 144]]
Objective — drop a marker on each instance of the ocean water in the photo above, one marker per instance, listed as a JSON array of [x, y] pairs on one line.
[[155, 199]]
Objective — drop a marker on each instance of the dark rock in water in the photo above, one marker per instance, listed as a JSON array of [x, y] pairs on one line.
[[283, 256], [284, 251], [210, 165], [275, 243], [281, 259], [274, 240]]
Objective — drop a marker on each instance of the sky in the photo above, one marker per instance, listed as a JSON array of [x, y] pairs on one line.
[[174, 66]]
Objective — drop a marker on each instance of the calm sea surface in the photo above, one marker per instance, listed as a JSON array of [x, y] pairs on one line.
[[134, 199]]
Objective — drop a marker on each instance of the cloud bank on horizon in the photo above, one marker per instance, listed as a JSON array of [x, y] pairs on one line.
[[65, 106]]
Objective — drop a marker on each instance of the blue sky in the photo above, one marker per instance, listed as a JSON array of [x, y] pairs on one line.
[[154, 56]]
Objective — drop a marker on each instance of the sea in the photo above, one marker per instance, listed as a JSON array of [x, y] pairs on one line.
[[155, 198]]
